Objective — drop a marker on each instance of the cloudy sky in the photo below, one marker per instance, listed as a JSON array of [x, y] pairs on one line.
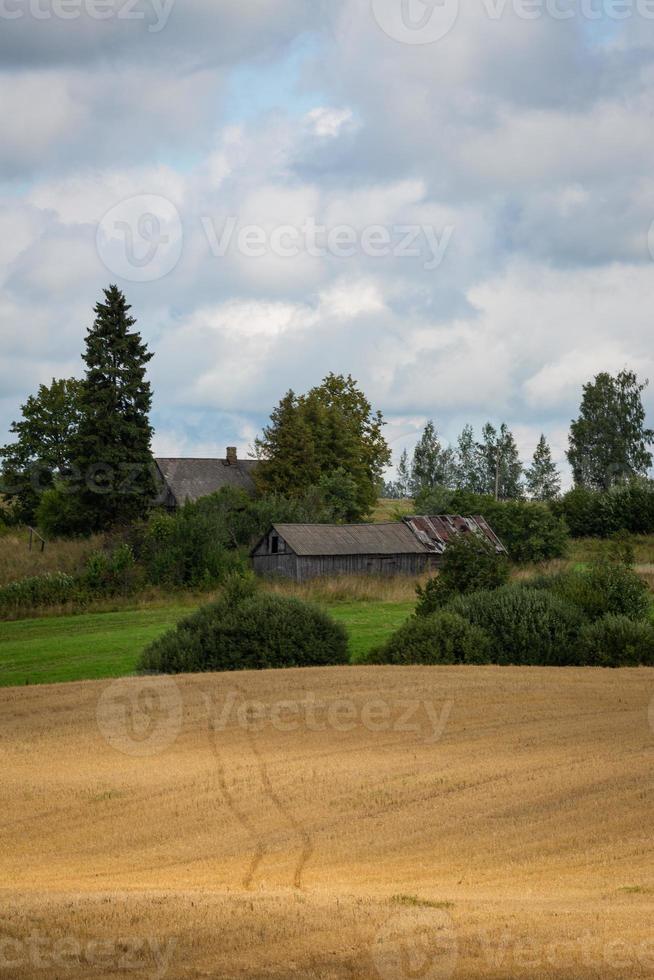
[[450, 201]]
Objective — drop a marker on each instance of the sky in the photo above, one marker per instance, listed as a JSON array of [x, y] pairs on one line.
[[452, 201]]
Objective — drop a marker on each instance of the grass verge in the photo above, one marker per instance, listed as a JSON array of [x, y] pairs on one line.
[[97, 645]]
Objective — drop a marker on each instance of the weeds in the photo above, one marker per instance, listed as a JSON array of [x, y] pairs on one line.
[[413, 901]]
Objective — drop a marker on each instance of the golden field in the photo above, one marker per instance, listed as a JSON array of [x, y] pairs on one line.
[[334, 823]]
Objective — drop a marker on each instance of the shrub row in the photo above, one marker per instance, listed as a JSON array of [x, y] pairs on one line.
[[54, 589], [106, 574], [594, 617], [589, 513], [530, 531], [206, 541]]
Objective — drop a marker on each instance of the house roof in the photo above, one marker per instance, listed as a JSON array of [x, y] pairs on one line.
[[414, 535], [187, 480], [350, 539]]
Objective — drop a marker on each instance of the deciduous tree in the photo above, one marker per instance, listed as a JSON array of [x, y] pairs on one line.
[[333, 427], [609, 441]]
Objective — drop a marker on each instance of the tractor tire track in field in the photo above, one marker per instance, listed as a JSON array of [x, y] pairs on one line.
[[242, 818], [259, 842]]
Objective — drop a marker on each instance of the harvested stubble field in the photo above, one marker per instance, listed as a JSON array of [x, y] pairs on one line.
[[337, 823]]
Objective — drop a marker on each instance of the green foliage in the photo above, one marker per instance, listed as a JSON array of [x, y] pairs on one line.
[[57, 514], [42, 450], [246, 631], [436, 500], [609, 441], [616, 641], [111, 573], [542, 477], [311, 436], [469, 475], [340, 494], [604, 588], [114, 479], [402, 487], [433, 465], [54, 589], [442, 638], [191, 548], [499, 464], [525, 626], [530, 530], [599, 514], [470, 564], [204, 541]]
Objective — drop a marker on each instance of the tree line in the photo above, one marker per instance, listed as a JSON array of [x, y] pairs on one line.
[[81, 457], [608, 446], [490, 466]]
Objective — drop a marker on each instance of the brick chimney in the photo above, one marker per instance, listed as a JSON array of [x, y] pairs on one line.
[[232, 457]]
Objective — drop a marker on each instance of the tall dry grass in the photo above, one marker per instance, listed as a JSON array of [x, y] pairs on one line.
[[17, 561], [388, 509], [349, 588]]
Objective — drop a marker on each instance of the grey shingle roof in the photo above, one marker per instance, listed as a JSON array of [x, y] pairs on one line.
[[350, 539], [191, 479], [414, 535]]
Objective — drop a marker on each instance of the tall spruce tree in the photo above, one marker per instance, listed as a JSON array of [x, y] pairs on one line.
[[287, 450], [433, 465], [609, 441], [115, 481], [542, 477]]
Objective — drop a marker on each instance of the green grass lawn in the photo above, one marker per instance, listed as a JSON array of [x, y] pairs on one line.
[[370, 623], [73, 648]]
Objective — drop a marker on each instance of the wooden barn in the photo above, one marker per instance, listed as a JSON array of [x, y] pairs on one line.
[[410, 547]]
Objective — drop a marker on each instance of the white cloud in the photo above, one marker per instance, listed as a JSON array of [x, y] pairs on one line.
[[533, 147], [324, 121]]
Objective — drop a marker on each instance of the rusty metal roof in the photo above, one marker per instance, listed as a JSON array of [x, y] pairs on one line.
[[350, 539], [435, 532]]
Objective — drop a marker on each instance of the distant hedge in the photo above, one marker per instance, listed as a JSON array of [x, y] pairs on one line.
[[106, 574], [530, 530], [54, 589], [600, 514], [604, 588], [442, 638], [616, 641], [254, 632]]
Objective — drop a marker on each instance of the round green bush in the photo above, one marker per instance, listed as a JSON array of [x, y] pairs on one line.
[[525, 626], [443, 638], [254, 633], [616, 641], [604, 588], [470, 564]]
